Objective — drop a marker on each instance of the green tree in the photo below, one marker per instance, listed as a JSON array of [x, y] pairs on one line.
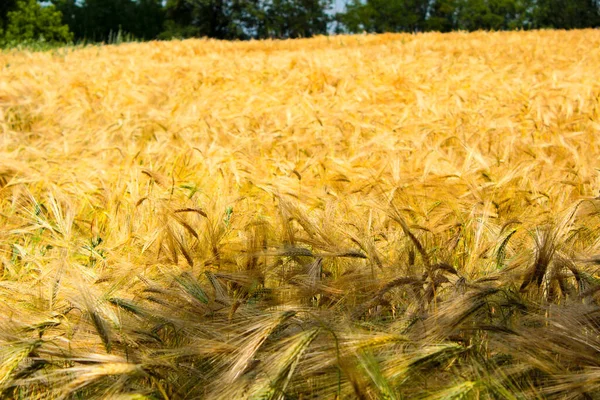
[[358, 17], [71, 15], [572, 14], [5, 7], [30, 21], [385, 16], [294, 18], [148, 19], [100, 20], [245, 19], [442, 16], [436, 15], [221, 19], [491, 14]]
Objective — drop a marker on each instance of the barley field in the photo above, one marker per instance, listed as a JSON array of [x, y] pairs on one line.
[[347, 217]]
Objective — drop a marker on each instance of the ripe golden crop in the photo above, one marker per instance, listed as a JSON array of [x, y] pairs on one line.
[[319, 217]]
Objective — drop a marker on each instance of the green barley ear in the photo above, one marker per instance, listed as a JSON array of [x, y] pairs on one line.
[[191, 286], [11, 357], [100, 324], [228, 215], [501, 252], [369, 364], [545, 249], [459, 391], [283, 367]]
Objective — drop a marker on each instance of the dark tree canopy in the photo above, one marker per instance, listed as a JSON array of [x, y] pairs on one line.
[[245, 19], [107, 20], [295, 18], [5, 7], [99, 20], [28, 21], [570, 14], [468, 15], [221, 19], [385, 15]]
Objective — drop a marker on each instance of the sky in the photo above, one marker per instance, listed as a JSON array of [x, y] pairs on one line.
[[339, 5]]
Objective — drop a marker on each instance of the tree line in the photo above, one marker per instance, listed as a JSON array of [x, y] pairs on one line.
[[105, 20]]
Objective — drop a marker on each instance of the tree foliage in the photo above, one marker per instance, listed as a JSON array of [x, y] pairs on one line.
[[567, 14], [106, 20], [468, 15], [247, 19], [491, 14], [5, 7], [99, 20], [385, 15], [221, 19], [295, 18], [28, 21]]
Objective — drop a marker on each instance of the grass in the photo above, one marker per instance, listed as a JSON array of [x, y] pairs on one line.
[[369, 217], [57, 48]]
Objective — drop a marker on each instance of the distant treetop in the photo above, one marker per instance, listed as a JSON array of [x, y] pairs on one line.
[[105, 20]]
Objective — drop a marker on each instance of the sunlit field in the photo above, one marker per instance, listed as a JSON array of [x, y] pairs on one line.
[[352, 217]]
